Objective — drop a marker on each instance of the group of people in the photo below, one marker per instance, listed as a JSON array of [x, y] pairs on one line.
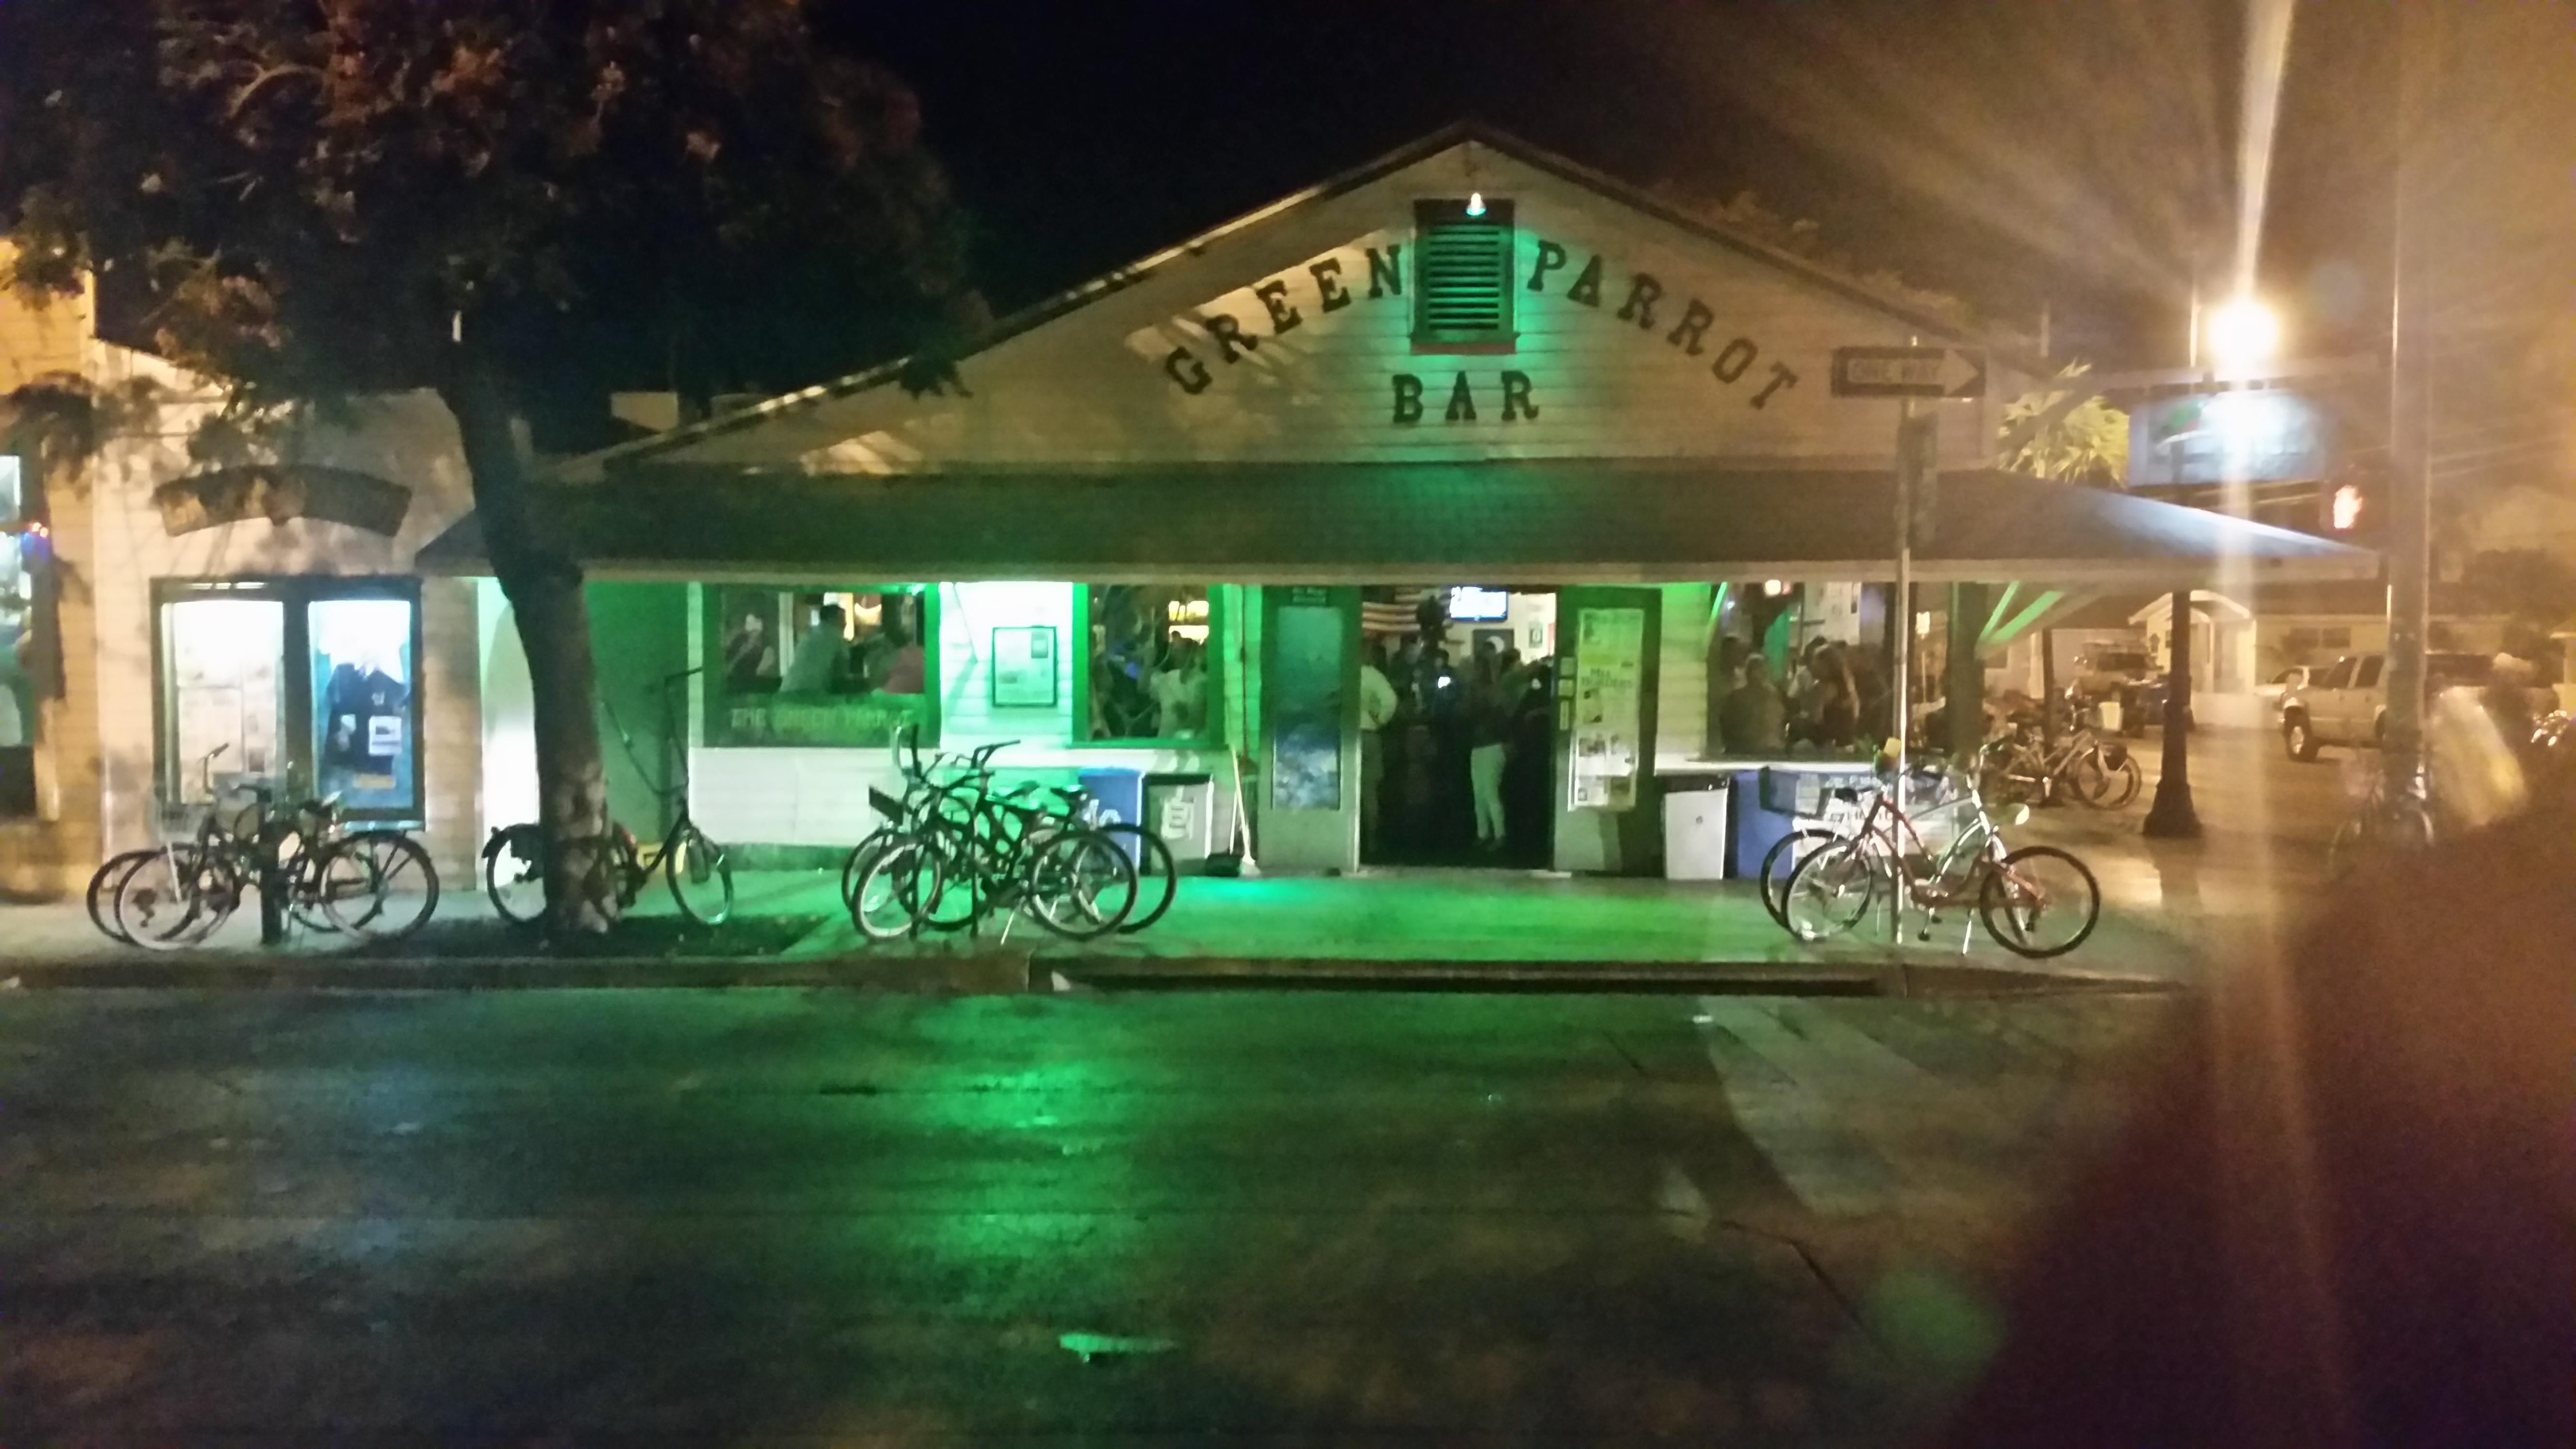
[[888, 661], [1452, 757], [1835, 698], [1149, 693]]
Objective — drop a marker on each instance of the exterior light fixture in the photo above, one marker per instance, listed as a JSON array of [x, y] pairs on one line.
[[1773, 588], [1475, 203], [2347, 507]]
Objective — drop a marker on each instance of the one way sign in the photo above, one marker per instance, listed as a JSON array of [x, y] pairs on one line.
[[1909, 372]]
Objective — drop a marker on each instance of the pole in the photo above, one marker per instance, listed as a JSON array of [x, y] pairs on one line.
[[1910, 461], [2172, 816], [2409, 399]]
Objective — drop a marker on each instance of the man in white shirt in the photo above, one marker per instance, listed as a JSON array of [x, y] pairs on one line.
[[1377, 706]]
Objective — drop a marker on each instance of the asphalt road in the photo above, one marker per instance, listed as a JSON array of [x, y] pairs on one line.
[[776, 1218]]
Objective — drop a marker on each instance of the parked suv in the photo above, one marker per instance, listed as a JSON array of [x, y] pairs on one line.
[[2105, 673], [2347, 703]]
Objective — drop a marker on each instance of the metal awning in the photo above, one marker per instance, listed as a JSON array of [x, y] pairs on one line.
[[1502, 522]]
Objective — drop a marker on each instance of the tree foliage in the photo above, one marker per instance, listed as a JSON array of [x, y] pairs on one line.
[[306, 199], [2051, 434]]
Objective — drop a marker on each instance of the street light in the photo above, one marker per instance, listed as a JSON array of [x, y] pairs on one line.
[[2243, 334]]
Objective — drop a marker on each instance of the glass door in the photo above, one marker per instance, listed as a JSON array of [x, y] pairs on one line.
[[1310, 661]]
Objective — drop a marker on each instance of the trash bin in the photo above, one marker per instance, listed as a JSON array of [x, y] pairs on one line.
[[1121, 793], [1695, 826], [1182, 810]]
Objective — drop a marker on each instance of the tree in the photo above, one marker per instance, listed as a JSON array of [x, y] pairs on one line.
[[311, 198], [2066, 432]]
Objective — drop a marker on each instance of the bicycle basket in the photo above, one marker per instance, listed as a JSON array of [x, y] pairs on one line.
[[176, 822]]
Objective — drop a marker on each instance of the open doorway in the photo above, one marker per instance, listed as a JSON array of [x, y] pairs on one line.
[[1458, 741]]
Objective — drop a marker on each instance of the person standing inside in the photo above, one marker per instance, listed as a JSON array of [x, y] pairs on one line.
[[1489, 725], [1757, 715], [1377, 710], [822, 659]]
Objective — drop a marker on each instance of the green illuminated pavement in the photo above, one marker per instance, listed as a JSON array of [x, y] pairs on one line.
[[768, 1218]]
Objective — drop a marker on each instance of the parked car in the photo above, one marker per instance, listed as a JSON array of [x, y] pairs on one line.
[[2105, 673], [2347, 704], [2271, 690], [2142, 703]]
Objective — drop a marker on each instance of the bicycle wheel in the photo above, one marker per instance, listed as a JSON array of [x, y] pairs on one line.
[[1781, 861], [900, 881], [2039, 902], [860, 857], [1158, 878], [514, 873], [378, 884], [176, 898], [103, 885], [1831, 890], [701, 876], [1080, 884]]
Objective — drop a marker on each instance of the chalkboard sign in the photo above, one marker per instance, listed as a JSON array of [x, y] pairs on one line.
[[1024, 667]]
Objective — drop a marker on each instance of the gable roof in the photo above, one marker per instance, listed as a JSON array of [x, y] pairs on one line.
[[1805, 270]]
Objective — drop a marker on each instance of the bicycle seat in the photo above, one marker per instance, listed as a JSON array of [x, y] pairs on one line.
[[1021, 791], [884, 804]]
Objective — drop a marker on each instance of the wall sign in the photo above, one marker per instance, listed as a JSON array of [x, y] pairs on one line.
[[1688, 327], [1023, 667]]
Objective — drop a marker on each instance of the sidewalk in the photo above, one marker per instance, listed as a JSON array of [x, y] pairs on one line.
[[1413, 927]]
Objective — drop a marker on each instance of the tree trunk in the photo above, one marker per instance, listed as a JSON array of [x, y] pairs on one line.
[[2172, 816], [544, 588]]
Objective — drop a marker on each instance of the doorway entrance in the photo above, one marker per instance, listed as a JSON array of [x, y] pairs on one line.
[[1459, 768]]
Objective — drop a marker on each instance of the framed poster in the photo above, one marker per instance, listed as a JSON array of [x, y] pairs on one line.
[[1024, 667]]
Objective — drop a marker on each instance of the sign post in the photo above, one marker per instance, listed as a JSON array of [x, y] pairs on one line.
[[1909, 373]]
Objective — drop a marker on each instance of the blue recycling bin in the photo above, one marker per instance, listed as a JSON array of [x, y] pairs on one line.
[[1121, 793]]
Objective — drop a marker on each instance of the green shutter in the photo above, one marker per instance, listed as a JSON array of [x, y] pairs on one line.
[[1462, 280]]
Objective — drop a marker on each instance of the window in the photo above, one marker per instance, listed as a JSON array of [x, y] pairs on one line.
[[2339, 637], [1148, 673], [2339, 677], [17, 624], [308, 681], [2368, 674], [826, 664], [1462, 276]]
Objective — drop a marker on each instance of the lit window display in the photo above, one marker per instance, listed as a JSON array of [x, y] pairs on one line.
[[1147, 667], [362, 701], [309, 682], [820, 665]]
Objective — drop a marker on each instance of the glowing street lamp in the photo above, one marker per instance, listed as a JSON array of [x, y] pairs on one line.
[[2242, 334]]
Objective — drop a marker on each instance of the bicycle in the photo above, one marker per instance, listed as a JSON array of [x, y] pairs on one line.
[[1158, 875], [2018, 765], [698, 870], [379, 885], [2015, 891], [2381, 824], [954, 851]]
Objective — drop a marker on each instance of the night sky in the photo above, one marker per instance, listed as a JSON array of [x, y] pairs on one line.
[[2011, 152]]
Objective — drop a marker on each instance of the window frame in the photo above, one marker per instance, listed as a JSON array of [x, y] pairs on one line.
[[1504, 338], [1219, 674], [714, 729], [297, 774]]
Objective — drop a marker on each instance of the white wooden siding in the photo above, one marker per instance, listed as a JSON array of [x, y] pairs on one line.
[[1089, 388]]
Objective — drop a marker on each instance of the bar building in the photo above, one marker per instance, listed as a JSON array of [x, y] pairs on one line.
[[1156, 525]]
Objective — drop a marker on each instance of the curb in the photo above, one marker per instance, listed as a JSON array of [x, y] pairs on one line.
[[1010, 973]]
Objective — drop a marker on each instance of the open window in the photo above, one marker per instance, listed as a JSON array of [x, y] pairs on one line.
[[821, 664], [1147, 672], [1462, 277]]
